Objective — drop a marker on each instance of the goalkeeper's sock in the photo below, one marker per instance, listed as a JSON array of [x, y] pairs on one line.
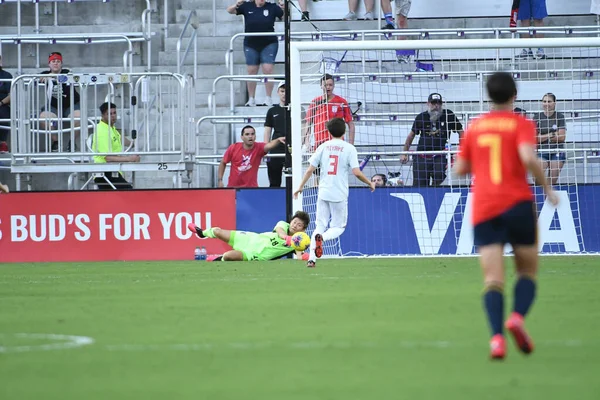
[[209, 233]]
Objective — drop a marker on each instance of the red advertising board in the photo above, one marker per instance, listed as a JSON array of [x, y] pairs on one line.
[[119, 225]]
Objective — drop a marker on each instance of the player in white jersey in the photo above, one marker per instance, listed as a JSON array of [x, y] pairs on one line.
[[335, 159]]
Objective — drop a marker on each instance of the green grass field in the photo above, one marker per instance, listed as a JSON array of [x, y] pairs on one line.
[[348, 329]]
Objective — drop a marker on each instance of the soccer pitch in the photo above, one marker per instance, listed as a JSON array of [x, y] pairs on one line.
[[348, 329]]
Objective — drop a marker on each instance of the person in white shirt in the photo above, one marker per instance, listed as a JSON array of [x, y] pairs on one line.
[[335, 159]]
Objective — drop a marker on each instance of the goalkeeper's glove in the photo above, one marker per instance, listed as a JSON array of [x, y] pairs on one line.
[[305, 256], [288, 241]]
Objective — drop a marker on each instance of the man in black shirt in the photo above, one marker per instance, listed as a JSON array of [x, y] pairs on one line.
[[56, 91], [5, 78], [433, 127], [275, 128]]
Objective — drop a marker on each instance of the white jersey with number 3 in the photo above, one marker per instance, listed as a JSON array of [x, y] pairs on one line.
[[336, 159]]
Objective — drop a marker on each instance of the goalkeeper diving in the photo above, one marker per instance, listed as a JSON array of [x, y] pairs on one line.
[[251, 246]]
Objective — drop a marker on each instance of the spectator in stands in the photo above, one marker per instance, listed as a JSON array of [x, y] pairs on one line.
[[552, 132], [379, 180], [402, 10], [55, 63], [275, 128], [108, 140], [528, 10], [434, 128], [324, 108], [304, 9], [259, 16], [353, 6], [245, 157], [5, 78]]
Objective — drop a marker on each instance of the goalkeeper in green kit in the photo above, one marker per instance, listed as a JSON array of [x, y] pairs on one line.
[[251, 246]]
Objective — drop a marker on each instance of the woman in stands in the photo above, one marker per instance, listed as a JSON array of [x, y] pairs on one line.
[[259, 17], [551, 135]]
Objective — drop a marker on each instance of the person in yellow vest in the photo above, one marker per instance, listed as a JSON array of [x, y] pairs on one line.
[[108, 140]]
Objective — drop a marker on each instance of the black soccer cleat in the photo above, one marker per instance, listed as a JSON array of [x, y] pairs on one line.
[[310, 264], [192, 227]]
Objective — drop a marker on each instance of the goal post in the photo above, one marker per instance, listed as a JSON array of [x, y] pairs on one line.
[[385, 97]]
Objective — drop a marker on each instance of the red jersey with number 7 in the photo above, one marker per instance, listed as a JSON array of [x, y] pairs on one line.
[[491, 145], [322, 111]]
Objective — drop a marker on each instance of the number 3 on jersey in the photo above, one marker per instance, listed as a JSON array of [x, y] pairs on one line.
[[494, 142], [333, 165]]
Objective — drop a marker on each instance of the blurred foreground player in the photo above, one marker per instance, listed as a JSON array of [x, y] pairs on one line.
[[499, 149]]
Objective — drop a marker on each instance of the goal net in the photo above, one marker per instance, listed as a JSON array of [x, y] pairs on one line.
[[423, 208]]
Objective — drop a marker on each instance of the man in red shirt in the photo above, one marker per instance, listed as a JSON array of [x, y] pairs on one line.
[[499, 149], [245, 157], [324, 108]]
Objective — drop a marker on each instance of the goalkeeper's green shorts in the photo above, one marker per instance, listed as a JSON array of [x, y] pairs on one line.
[[258, 246], [250, 244]]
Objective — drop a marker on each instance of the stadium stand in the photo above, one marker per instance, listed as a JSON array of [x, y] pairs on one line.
[[166, 30]]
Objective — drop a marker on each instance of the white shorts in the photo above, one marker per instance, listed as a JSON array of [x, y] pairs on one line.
[[337, 212], [403, 7]]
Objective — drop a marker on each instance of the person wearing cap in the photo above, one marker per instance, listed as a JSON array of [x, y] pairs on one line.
[[56, 93], [5, 78], [275, 128], [434, 127]]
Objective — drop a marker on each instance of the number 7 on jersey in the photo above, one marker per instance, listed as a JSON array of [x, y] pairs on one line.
[[494, 142]]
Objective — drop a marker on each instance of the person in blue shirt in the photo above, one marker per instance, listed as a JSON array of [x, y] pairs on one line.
[[259, 17]]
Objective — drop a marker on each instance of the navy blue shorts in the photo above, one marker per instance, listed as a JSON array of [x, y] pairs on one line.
[[264, 56], [517, 226], [553, 156], [529, 9]]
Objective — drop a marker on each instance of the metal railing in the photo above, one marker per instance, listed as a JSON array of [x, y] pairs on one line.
[[78, 39], [193, 40], [145, 34], [156, 102], [479, 33]]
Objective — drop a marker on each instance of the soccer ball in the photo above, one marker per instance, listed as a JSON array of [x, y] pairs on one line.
[[300, 241]]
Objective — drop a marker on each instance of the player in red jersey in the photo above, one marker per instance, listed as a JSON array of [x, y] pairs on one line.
[[324, 108], [499, 149]]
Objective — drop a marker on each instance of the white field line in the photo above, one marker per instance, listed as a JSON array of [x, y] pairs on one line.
[[313, 345], [63, 342], [57, 342]]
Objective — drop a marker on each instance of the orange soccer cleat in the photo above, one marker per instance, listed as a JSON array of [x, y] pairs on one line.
[[194, 229], [497, 347], [318, 245], [516, 326]]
